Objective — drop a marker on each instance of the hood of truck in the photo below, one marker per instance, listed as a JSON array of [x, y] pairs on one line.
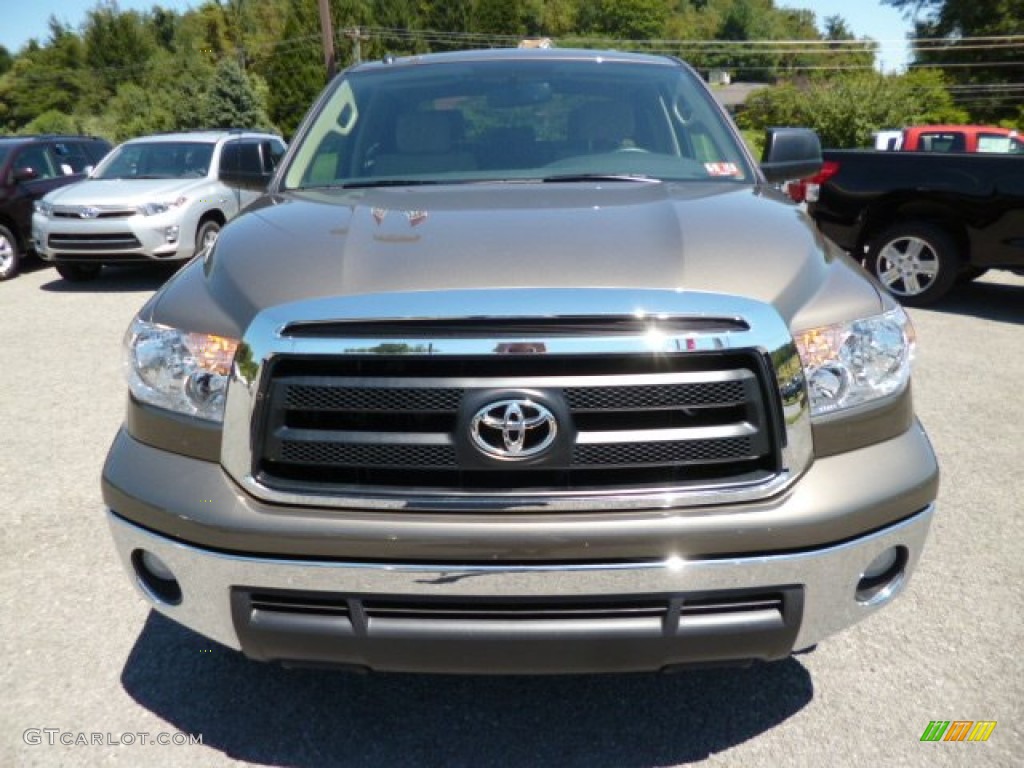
[[707, 237]]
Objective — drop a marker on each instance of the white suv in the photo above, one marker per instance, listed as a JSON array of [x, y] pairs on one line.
[[153, 199]]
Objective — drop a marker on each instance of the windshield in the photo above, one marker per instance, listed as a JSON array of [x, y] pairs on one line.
[[506, 120], [157, 160]]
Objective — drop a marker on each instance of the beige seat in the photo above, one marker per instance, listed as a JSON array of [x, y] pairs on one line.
[[601, 126], [426, 142]]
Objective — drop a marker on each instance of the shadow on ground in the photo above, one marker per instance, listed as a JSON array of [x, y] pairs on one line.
[[1002, 302], [117, 279], [266, 714]]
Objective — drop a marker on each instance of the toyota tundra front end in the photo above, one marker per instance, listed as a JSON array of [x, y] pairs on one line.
[[521, 366]]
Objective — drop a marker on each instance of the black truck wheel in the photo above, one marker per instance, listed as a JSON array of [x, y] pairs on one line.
[[915, 261]]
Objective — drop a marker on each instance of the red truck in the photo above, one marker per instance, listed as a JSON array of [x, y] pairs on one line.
[[951, 138]]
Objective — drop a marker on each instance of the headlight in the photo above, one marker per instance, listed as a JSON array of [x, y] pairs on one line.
[[43, 207], [182, 372], [152, 209], [852, 363]]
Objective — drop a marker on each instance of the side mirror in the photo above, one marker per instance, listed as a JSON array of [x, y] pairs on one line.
[[790, 153], [257, 182], [25, 174]]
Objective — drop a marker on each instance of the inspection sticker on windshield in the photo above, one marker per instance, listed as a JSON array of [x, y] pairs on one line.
[[722, 169]]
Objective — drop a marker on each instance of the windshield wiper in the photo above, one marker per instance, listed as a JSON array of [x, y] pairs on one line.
[[570, 177]]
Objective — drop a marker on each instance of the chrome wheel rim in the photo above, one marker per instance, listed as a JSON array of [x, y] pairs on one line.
[[209, 237], [6, 255], [907, 266]]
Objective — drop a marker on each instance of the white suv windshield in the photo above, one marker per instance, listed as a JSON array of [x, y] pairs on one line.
[[157, 160], [517, 120]]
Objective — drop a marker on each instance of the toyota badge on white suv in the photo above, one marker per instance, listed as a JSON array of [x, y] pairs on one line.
[[153, 199]]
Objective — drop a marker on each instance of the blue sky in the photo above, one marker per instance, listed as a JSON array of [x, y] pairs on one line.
[[24, 19], [21, 20], [866, 18]]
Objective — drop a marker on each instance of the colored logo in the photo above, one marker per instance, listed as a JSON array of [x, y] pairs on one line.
[[958, 730], [513, 429]]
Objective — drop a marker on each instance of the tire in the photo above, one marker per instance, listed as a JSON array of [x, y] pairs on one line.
[[78, 273], [914, 261], [206, 234], [10, 255]]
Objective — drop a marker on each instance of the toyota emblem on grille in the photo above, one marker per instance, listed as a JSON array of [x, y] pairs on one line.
[[513, 430], [89, 213]]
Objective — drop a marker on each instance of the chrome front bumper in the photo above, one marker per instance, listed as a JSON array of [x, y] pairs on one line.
[[824, 581]]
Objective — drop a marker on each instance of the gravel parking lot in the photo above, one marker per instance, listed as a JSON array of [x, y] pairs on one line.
[[88, 662]]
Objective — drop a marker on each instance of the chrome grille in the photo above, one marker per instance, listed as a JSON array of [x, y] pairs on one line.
[[394, 424], [92, 212]]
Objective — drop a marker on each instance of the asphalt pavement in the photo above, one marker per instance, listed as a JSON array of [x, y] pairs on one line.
[[91, 677]]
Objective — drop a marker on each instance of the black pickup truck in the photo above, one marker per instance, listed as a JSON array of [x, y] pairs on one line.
[[921, 222]]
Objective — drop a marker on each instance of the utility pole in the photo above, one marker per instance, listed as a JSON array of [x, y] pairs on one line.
[[357, 38], [327, 34]]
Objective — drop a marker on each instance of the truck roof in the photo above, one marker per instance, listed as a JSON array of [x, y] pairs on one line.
[[521, 54]]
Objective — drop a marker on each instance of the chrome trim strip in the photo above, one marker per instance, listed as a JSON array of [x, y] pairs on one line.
[[527, 382], [664, 435], [768, 334], [430, 500], [349, 437], [828, 575]]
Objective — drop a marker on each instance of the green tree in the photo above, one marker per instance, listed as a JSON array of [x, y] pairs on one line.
[[137, 111], [845, 110], [53, 121], [44, 79], [446, 16], [402, 19], [499, 17], [233, 101], [295, 72], [624, 19], [986, 73], [117, 45]]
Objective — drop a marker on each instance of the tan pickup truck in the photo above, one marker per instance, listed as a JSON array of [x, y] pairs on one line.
[[521, 365]]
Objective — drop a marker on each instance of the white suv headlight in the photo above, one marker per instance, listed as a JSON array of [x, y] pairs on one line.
[[152, 209], [180, 371], [43, 207], [853, 363]]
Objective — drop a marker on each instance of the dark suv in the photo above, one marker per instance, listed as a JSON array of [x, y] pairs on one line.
[[31, 166]]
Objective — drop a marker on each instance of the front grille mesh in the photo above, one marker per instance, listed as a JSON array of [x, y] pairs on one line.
[[333, 454], [655, 396], [94, 242], [327, 398], [397, 424], [676, 452]]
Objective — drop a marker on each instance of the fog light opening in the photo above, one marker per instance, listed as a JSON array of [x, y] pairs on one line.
[[883, 577], [156, 578]]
